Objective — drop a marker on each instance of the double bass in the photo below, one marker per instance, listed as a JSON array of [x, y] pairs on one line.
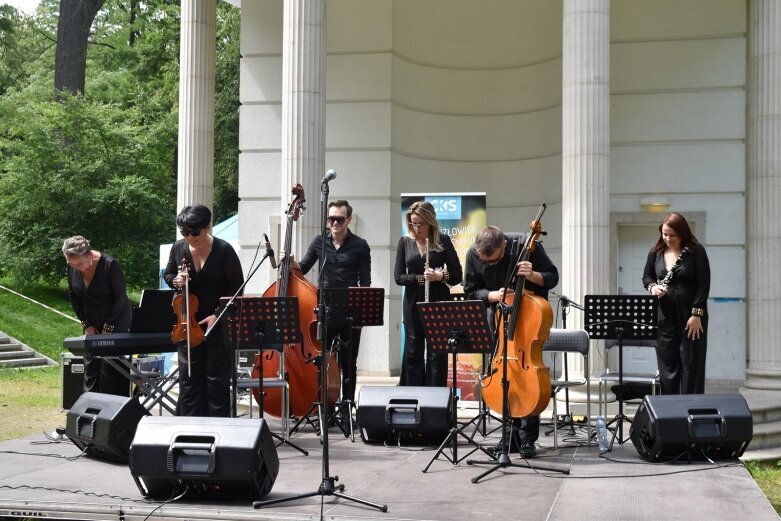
[[527, 329], [302, 373]]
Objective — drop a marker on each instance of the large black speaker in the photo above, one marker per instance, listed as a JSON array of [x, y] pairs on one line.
[[694, 426], [206, 457], [411, 414], [103, 425]]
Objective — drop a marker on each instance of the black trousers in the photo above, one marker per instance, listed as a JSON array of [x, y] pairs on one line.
[[206, 390], [421, 365], [348, 356], [101, 377]]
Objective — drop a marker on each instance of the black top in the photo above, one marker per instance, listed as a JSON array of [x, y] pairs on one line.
[[410, 265], [690, 280], [221, 275], [350, 265], [105, 301], [482, 278]]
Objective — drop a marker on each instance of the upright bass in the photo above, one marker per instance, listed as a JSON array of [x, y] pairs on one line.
[[527, 328], [302, 373]]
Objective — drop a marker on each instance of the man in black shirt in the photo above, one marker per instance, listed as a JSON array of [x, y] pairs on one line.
[[347, 263], [487, 262]]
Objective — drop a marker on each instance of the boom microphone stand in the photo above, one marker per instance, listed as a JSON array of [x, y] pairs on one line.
[[328, 486]]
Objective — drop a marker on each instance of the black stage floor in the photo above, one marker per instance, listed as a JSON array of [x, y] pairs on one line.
[[38, 481]]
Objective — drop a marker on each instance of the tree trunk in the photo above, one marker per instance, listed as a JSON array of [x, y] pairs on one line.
[[73, 29]]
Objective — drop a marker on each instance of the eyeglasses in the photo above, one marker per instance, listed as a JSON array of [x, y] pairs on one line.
[[336, 219], [495, 257], [417, 226], [185, 232]]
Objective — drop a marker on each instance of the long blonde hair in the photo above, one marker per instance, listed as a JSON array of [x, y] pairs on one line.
[[425, 211]]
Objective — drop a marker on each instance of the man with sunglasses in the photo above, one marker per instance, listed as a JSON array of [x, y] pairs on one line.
[[347, 263], [487, 263], [214, 271]]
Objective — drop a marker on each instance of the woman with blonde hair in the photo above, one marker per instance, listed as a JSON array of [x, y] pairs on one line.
[[420, 366]]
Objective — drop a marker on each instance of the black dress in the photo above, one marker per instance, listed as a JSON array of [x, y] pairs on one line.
[[103, 303], [206, 391], [681, 361], [407, 272]]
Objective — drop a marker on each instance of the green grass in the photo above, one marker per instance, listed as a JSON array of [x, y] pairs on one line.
[[767, 474]]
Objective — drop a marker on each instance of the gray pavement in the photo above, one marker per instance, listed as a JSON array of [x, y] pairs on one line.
[[35, 482]]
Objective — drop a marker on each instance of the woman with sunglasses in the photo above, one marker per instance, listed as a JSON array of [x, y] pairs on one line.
[[96, 289], [421, 366], [214, 272]]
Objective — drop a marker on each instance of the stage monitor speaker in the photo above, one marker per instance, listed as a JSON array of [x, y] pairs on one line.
[[409, 414], [72, 367], [694, 426], [204, 457], [103, 425]]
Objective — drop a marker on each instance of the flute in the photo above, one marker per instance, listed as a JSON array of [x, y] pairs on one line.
[[425, 268]]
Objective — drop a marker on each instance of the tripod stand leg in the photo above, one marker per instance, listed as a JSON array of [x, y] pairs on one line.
[[283, 441]]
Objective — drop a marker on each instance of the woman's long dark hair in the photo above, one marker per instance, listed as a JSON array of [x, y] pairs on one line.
[[678, 223]]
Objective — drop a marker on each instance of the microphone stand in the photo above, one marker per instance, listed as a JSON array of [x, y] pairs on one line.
[[328, 486]]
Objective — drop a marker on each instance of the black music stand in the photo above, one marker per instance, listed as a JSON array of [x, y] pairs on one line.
[[621, 317], [264, 323], [455, 327], [348, 308]]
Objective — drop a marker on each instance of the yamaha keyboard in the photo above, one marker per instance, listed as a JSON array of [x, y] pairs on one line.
[[120, 344]]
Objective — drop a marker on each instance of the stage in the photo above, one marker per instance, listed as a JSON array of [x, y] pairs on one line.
[[39, 480]]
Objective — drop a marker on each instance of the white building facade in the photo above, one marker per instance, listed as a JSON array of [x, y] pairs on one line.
[[610, 111]]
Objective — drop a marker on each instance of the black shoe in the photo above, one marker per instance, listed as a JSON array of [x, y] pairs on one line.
[[528, 450]]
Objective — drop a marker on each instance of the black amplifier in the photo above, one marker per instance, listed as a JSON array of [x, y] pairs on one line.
[[696, 426], [412, 414], [206, 457]]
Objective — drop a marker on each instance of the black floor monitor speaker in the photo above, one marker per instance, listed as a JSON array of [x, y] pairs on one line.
[[697, 426], [103, 425], [204, 457], [410, 414]]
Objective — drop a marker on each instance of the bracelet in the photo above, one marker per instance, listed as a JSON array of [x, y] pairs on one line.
[[108, 328], [651, 287], [445, 276], [698, 312], [84, 324], [421, 280]]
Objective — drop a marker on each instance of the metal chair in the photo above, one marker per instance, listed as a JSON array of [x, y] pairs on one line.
[[566, 341], [612, 376]]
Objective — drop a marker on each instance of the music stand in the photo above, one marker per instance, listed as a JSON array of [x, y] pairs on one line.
[[455, 327], [621, 317], [265, 323], [348, 308]]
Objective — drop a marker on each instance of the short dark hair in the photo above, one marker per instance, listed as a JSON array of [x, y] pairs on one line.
[[488, 241], [340, 203], [194, 217]]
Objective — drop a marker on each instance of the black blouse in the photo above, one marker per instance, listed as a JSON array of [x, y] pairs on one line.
[[410, 265], [690, 280], [105, 301], [220, 276]]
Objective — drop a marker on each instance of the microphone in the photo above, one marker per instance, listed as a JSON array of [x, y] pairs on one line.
[[270, 252], [329, 176]]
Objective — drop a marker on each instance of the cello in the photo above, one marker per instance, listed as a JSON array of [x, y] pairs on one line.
[[302, 374], [527, 329]]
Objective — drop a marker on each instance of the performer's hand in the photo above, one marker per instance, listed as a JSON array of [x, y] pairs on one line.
[[91, 330], [524, 268], [179, 281], [496, 296], [293, 263], [208, 321], [693, 328], [659, 291], [432, 275]]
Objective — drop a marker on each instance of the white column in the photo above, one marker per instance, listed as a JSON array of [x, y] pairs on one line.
[[763, 199], [303, 111], [585, 154], [195, 171]]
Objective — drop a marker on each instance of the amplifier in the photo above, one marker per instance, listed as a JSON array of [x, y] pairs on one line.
[[413, 414], [72, 379], [692, 425], [207, 457], [103, 425]]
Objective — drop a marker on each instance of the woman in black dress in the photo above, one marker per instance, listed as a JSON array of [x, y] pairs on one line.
[[96, 289], [444, 268], [215, 271], [678, 273]]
